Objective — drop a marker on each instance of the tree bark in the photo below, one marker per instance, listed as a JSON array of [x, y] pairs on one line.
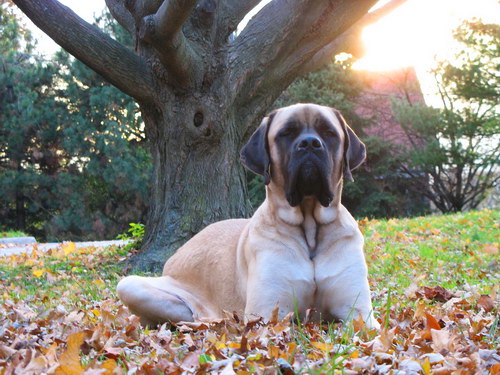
[[197, 177]]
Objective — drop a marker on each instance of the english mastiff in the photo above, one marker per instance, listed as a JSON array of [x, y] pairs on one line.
[[300, 250]]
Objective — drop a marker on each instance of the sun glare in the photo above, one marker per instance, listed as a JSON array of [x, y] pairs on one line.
[[419, 32]]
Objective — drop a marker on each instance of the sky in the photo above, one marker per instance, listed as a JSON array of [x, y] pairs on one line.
[[415, 34], [419, 32]]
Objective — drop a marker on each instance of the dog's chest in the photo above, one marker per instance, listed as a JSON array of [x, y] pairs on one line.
[[309, 227]]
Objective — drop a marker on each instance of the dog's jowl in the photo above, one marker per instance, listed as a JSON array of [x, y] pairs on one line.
[[300, 250]]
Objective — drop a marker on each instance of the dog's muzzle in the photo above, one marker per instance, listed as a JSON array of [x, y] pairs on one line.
[[309, 171]]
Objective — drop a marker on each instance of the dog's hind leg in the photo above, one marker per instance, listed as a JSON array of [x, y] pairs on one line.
[[153, 301]]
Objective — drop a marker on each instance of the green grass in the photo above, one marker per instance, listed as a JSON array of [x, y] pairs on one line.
[[79, 276], [448, 250], [16, 233]]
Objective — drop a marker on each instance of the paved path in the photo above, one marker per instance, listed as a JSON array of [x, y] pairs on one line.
[[17, 249]]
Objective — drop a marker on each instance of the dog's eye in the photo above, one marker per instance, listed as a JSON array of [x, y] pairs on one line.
[[287, 132], [331, 133]]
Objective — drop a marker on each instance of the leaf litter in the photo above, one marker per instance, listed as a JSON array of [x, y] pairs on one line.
[[59, 315]]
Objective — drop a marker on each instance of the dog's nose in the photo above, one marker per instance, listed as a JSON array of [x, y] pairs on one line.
[[310, 142]]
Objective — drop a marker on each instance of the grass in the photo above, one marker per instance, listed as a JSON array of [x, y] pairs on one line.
[[9, 234], [458, 252], [78, 276], [447, 250]]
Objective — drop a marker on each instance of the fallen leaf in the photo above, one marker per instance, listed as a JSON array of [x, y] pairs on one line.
[[437, 293], [495, 369], [485, 302], [6, 352], [432, 322], [441, 340], [410, 366], [358, 323], [426, 366], [99, 283], [383, 341], [433, 358], [68, 247], [323, 346], [38, 272], [109, 365], [69, 363], [275, 315], [36, 365], [285, 367], [420, 310]]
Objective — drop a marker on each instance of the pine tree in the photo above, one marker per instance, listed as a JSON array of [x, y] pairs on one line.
[[73, 159]]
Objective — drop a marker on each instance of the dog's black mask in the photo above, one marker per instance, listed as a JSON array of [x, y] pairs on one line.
[[308, 164]]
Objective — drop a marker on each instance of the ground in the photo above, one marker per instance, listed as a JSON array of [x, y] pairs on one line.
[[435, 289]]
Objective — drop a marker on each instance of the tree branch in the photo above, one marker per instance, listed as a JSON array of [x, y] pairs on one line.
[[284, 35], [231, 13], [141, 8], [86, 42], [121, 14], [163, 30], [170, 17], [349, 41]]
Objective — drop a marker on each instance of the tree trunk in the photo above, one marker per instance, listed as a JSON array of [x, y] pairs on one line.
[[197, 177]]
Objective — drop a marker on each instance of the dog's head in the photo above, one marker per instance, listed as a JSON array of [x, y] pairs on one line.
[[306, 149]]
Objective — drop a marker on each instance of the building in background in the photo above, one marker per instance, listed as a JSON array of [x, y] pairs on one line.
[[382, 89]]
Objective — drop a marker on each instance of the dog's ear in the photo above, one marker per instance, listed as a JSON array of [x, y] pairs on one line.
[[354, 149], [255, 154]]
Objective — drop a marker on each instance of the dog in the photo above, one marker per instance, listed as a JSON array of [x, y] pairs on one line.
[[300, 250]]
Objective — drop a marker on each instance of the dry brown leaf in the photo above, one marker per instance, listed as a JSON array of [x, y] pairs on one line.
[[6, 352], [411, 291], [486, 303], [443, 370], [495, 369], [420, 310], [323, 346], [358, 323], [109, 365], [432, 322], [441, 339], [36, 365], [275, 315], [51, 355], [69, 364], [191, 360], [383, 341], [437, 293]]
